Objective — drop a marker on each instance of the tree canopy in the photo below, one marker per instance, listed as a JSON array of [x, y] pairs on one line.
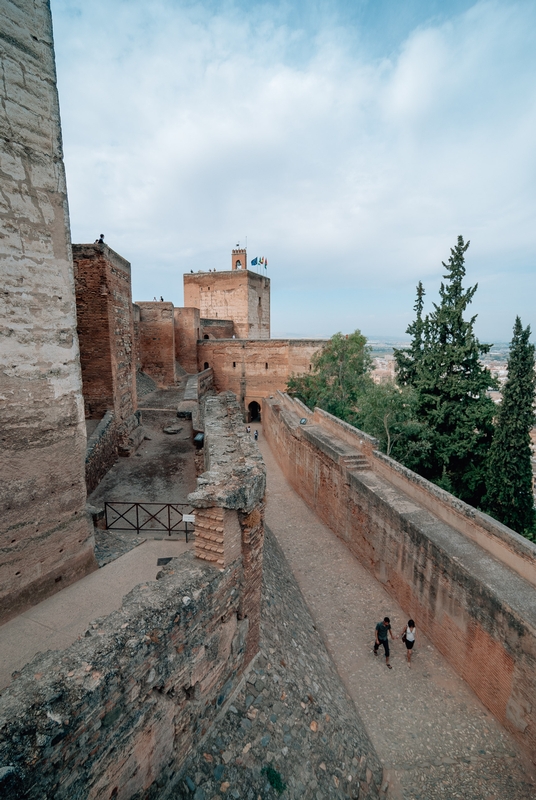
[[509, 495], [443, 365], [340, 373], [438, 419]]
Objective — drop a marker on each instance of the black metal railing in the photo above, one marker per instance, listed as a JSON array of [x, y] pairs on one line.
[[149, 517]]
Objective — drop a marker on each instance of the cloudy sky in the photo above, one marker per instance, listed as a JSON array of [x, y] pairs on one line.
[[351, 141]]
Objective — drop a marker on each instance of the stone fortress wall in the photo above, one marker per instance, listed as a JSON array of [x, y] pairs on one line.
[[116, 713], [238, 295], [468, 581], [254, 368], [105, 325], [46, 539], [156, 341]]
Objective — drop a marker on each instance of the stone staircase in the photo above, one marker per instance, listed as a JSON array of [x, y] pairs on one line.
[[354, 463]]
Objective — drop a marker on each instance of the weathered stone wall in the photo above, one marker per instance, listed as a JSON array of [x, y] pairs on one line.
[[156, 341], [187, 332], [230, 502], [238, 295], [116, 714], [46, 540], [101, 453], [217, 329], [105, 324], [254, 368], [478, 611]]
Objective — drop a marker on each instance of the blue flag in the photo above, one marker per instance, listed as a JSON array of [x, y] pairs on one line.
[[254, 262]]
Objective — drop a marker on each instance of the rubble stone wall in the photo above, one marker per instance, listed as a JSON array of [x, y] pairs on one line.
[[156, 342], [121, 708], [478, 611], [46, 539], [101, 452], [117, 713]]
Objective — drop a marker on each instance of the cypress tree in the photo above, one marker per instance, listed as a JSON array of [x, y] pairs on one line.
[[451, 384], [509, 495], [407, 360]]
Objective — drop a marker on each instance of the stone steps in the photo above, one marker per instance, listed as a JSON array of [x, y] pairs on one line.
[[357, 463]]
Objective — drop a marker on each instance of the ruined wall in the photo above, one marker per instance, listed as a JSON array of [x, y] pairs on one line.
[[238, 295], [156, 341], [187, 332], [467, 598], [101, 453], [229, 504], [105, 324], [46, 540], [116, 714], [254, 369]]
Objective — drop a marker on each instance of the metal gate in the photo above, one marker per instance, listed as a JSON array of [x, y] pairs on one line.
[[148, 517]]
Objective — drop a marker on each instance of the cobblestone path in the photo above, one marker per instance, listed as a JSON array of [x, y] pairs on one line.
[[432, 734]]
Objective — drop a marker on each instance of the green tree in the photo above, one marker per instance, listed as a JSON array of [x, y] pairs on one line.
[[452, 385], [340, 372], [408, 360], [509, 495], [389, 413]]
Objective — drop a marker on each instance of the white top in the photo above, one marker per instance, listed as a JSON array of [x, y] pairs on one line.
[[410, 634]]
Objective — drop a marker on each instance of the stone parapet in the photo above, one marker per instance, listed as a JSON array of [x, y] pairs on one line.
[[235, 477], [468, 581]]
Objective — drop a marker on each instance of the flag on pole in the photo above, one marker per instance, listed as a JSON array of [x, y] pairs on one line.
[[254, 262]]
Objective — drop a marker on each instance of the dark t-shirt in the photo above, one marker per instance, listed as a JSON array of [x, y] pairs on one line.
[[382, 631]]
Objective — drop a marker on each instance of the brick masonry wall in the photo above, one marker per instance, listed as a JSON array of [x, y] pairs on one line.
[[478, 613], [105, 326], [46, 539], [156, 342], [187, 332], [253, 369]]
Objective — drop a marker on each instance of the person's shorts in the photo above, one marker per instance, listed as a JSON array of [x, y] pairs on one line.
[[409, 645], [385, 643]]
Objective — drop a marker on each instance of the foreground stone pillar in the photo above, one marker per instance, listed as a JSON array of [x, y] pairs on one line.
[[229, 506], [46, 540]]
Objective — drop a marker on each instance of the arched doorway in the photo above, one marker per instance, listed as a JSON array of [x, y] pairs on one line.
[[254, 412]]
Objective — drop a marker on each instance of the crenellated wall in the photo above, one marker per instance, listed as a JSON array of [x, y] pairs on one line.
[[116, 714], [468, 580], [46, 539]]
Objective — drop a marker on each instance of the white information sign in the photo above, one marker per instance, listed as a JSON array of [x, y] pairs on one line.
[[188, 518]]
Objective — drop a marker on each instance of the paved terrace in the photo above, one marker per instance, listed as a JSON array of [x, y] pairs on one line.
[[434, 737]]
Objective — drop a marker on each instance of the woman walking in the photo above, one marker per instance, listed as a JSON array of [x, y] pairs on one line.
[[408, 637]]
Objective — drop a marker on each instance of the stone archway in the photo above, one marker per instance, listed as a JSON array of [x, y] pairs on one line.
[[254, 412]]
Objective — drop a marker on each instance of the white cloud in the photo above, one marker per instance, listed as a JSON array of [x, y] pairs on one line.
[[186, 129]]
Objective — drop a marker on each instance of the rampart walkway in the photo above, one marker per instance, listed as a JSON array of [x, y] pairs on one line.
[[434, 737]]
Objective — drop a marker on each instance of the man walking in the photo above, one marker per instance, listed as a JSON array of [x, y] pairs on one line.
[[383, 629]]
